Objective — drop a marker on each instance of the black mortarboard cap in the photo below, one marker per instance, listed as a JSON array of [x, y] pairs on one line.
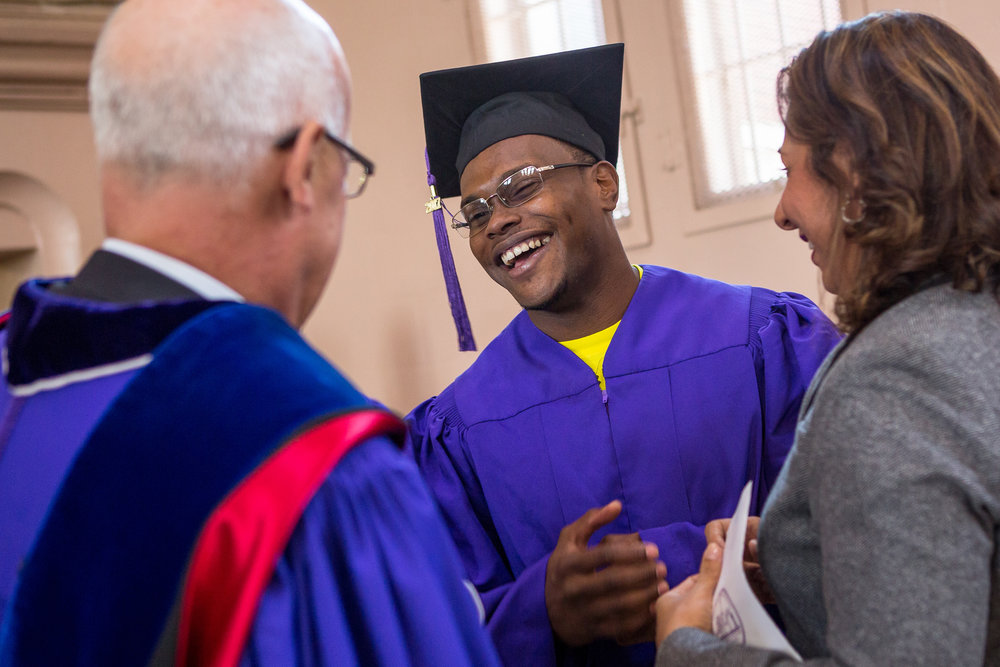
[[574, 96]]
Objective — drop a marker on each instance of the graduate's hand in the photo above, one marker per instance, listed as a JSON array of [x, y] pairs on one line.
[[689, 604], [613, 538], [648, 631], [604, 592], [715, 533]]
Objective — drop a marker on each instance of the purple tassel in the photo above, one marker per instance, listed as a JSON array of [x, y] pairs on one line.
[[458, 312]]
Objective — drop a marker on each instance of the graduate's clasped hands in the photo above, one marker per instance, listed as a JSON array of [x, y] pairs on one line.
[[608, 590]]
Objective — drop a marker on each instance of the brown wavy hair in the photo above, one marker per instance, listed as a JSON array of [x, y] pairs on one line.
[[916, 108]]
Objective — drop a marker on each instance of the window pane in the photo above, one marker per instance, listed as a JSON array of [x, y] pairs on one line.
[[735, 49]]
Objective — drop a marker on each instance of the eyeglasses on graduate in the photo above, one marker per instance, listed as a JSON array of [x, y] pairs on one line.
[[358, 167], [513, 191]]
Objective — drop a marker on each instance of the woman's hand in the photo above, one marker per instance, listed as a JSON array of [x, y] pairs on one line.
[[689, 604], [715, 533]]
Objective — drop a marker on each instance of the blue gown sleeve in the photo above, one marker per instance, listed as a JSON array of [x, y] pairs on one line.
[[369, 577], [516, 615]]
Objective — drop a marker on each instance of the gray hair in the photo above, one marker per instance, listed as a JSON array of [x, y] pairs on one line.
[[208, 91]]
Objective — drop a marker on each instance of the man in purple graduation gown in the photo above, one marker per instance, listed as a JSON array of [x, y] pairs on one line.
[[182, 478], [624, 407]]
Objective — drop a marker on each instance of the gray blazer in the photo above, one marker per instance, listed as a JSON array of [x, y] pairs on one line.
[[880, 538]]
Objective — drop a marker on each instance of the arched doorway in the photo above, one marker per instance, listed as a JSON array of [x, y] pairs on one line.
[[39, 235]]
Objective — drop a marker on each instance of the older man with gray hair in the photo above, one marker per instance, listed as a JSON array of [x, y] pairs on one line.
[[182, 477]]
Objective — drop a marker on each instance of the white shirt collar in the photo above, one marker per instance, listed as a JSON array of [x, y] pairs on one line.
[[194, 279]]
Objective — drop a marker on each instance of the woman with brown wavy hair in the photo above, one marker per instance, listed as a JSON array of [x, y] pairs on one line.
[[879, 542]]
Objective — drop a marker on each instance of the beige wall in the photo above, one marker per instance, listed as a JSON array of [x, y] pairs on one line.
[[384, 320]]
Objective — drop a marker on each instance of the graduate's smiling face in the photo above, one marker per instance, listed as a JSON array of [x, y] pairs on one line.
[[558, 235]]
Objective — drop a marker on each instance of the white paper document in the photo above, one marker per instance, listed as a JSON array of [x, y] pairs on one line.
[[737, 614]]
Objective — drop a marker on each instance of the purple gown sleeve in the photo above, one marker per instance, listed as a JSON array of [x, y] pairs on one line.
[[369, 577], [792, 339], [516, 616]]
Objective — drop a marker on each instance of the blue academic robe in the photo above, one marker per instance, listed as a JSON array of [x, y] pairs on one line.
[[91, 526], [703, 385]]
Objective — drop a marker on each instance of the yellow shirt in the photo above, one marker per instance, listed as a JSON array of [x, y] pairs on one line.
[[591, 349]]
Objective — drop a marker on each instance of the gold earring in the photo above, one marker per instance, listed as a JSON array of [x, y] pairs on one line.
[[843, 211]]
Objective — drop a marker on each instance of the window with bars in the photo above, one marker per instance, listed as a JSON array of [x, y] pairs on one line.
[[733, 50], [521, 28]]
